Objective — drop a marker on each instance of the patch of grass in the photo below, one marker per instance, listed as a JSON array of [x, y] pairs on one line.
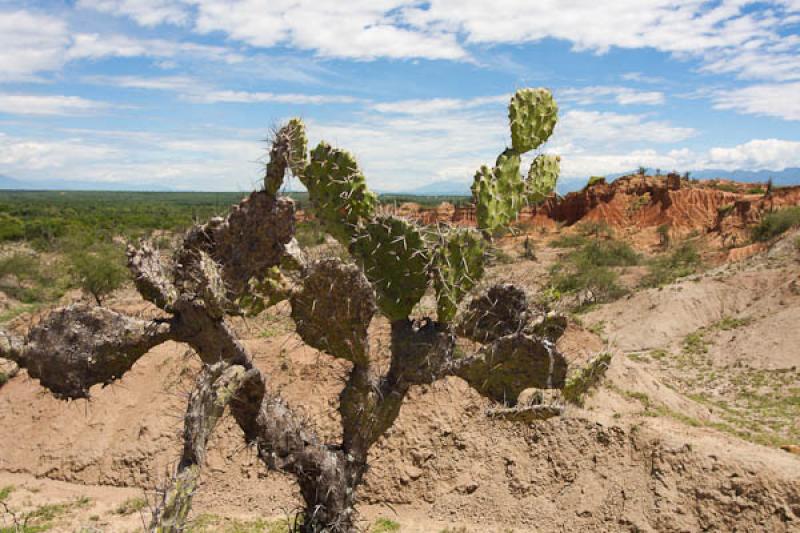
[[568, 241], [309, 234], [728, 323], [130, 506], [579, 384], [776, 223], [695, 343], [5, 492], [210, 523], [384, 525]]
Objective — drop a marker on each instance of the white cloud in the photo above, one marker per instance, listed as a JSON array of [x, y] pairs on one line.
[[25, 155], [244, 97], [162, 83], [437, 105], [360, 29], [97, 46], [758, 154], [601, 93], [26, 104], [608, 130], [29, 44], [780, 100], [144, 12]]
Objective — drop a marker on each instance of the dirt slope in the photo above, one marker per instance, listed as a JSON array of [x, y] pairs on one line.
[[651, 451]]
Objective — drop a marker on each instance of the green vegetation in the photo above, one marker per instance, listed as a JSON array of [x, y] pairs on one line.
[[209, 523], [585, 378], [42, 518], [682, 261], [99, 270], [131, 505], [776, 223], [384, 525], [589, 268]]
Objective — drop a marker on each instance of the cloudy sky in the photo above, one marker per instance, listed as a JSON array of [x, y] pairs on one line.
[[182, 93]]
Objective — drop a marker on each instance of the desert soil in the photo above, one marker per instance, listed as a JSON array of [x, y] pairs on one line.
[[683, 434]]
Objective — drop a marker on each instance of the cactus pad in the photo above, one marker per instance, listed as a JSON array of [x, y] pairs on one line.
[[533, 114], [395, 259], [542, 178], [500, 311], [337, 191], [333, 309], [457, 266], [498, 193]]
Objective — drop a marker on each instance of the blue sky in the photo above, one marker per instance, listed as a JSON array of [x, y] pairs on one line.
[[181, 93]]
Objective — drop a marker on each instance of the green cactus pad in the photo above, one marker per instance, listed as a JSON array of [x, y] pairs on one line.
[[395, 259], [533, 114], [289, 150], [457, 266], [337, 191], [498, 193], [542, 178]]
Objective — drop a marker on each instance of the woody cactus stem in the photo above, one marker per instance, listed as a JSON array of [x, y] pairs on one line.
[[216, 385], [249, 260]]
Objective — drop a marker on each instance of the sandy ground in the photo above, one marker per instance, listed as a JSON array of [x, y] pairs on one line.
[[670, 441]]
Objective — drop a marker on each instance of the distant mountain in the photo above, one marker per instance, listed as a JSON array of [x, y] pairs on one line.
[[440, 188], [787, 176], [9, 183]]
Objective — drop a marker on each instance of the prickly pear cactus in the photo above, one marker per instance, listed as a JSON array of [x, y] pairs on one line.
[[456, 267], [533, 114], [337, 191], [542, 177], [498, 193], [395, 259]]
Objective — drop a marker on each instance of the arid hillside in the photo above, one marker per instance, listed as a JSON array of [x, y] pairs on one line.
[[684, 433]]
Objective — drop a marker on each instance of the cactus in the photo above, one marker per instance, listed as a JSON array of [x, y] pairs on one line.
[[289, 151], [542, 178], [337, 191], [249, 260], [498, 193], [395, 259], [533, 114], [457, 266]]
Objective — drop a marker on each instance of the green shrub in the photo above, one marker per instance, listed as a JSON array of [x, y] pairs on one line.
[[588, 267], [568, 241], [777, 223], [309, 234], [384, 525], [595, 228], [24, 278], [98, 271], [683, 261], [11, 228]]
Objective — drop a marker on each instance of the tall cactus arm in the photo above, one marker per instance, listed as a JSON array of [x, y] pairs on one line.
[[289, 151], [338, 192], [216, 386], [79, 346]]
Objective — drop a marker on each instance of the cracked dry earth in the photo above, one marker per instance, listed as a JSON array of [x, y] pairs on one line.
[[682, 434]]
